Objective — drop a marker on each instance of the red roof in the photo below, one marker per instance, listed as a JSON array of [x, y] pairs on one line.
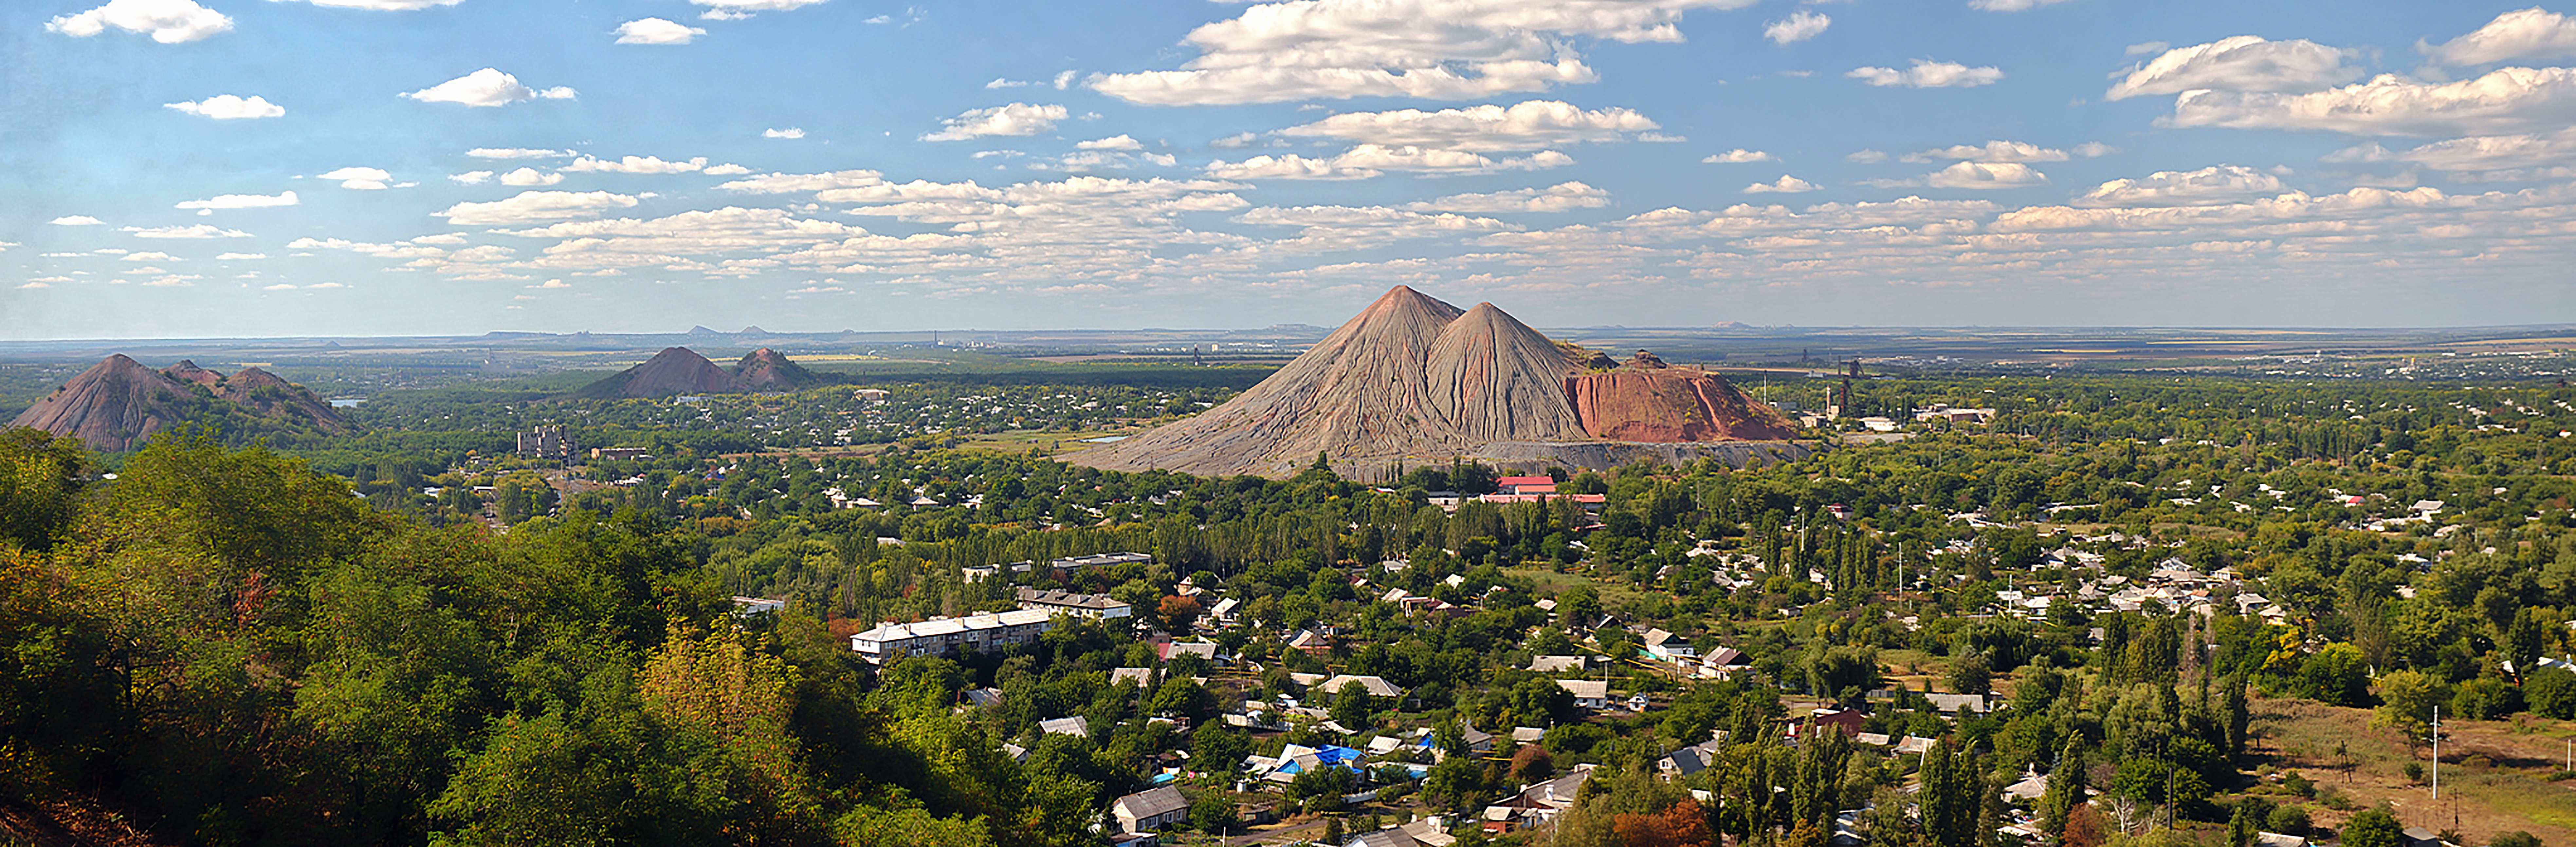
[[1525, 480]]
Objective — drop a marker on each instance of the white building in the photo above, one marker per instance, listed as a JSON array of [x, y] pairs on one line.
[[1094, 606], [941, 636]]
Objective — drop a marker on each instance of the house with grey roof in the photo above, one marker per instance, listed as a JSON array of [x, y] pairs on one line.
[[1150, 809]]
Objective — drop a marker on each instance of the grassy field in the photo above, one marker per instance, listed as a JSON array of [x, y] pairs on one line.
[[2494, 773]]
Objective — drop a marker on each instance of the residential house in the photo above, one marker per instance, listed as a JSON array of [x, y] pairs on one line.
[[1307, 641], [1557, 665], [1542, 801], [1094, 606], [1150, 809], [1588, 693], [1953, 704], [1075, 726], [1388, 837], [1170, 650], [1377, 687], [1142, 677], [1433, 831], [2028, 790], [1845, 721], [1669, 647], [1723, 663]]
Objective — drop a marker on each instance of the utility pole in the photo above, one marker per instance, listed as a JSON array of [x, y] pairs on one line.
[[2437, 754]]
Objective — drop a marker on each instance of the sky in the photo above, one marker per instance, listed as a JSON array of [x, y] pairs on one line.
[[200, 168]]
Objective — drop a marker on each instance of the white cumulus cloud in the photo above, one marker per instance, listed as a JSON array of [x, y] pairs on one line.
[[2503, 101], [1739, 156], [2524, 34], [636, 165], [76, 220], [536, 207], [790, 133], [2475, 153], [1369, 160], [167, 21], [1114, 142], [1985, 175], [197, 231], [1929, 74], [242, 201], [486, 88], [385, 5], [1011, 119], [1798, 26], [656, 31], [738, 9], [363, 179], [2207, 186], [530, 176], [1561, 197], [471, 177], [1437, 49], [1991, 151], [2242, 63], [227, 107], [1786, 184], [1528, 125], [515, 153], [1971, 175]]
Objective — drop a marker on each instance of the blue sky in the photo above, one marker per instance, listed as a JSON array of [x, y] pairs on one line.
[[360, 167]]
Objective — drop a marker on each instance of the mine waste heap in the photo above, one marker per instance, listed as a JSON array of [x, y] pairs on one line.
[[119, 403], [1412, 380], [680, 370]]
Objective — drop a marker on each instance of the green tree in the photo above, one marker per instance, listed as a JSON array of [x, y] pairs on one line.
[[1216, 749], [41, 482], [2407, 700], [2337, 674], [2551, 693], [1353, 708], [2372, 828], [2236, 716], [2249, 817]]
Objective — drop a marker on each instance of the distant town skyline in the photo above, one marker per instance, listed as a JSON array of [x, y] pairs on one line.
[[231, 168]]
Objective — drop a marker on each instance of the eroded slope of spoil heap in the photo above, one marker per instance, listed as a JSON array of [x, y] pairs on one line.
[[1413, 378], [769, 370], [1646, 401]]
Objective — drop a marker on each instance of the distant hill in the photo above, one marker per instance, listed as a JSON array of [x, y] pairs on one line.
[[118, 404], [675, 370], [1412, 378], [680, 370], [769, 370]]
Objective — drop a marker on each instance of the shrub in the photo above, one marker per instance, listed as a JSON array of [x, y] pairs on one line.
[[2551, 692], [2486, 699], [2288, 820]]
